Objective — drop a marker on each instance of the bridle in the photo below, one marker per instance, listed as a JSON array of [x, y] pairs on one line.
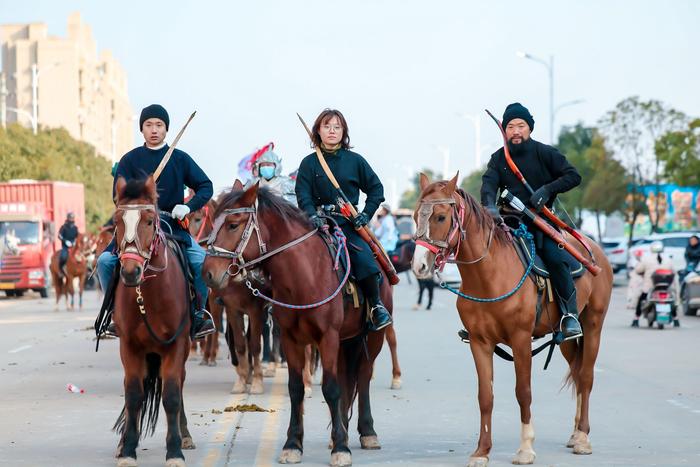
[[441, 248], [236, 256], [130, 246]]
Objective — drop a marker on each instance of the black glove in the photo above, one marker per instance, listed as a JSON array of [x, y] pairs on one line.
[[495, 215], [317, 221], [360, 220], [539, 198]]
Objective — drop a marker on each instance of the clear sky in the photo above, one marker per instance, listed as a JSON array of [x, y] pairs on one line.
[[400, 71]]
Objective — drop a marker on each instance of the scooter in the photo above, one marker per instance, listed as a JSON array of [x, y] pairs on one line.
[[690, 290], [660, 305]]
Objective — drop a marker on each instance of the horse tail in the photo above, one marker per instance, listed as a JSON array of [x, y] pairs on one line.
[[152, 390], [351, 352], [573, 376]]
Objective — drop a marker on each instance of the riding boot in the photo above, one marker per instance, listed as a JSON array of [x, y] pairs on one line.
[[570, 326], [379, 316], [111, 330], [202, 324]]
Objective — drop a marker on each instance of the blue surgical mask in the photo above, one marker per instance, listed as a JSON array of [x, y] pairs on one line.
[[267, 172]]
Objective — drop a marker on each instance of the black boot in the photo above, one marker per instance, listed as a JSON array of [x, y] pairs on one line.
[[635, 322], [570, 326], [379, 316], [202, 324], [111, 330]]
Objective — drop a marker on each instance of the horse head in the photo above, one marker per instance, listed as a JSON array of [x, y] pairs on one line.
[[201, 222], [232, 238], [82, 249], [438, 216], [137, 228]]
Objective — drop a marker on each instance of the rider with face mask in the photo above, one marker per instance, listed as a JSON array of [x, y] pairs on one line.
[[640, 286], [267, 170]]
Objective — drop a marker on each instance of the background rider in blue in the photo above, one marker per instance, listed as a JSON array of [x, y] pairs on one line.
[[354, 174], [67, 234], [180, 171], [549, 174]]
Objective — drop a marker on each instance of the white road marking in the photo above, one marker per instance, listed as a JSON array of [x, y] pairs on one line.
[[19, 349]]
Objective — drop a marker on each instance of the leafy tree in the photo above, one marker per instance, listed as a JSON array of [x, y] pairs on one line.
[[410, 196], [631, 130], [53, 154], [605, 193], [680, 152], [573, 142]]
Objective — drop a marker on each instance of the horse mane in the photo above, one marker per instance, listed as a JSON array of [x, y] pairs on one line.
[[482, 219], [135, 189], [268, 203]]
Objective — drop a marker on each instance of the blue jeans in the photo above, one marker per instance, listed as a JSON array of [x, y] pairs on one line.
[[195, 256]]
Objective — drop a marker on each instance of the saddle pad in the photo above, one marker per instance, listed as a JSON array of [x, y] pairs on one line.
[[522, 247]]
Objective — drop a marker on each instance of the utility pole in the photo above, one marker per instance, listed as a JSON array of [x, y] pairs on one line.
[[3, 101]]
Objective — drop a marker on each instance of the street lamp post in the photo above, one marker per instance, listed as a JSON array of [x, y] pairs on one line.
[[24, 113], [35, 91], [550, 71], [476, 121], [3, 101]]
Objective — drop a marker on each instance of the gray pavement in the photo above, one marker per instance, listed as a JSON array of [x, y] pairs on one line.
[[645, 406]]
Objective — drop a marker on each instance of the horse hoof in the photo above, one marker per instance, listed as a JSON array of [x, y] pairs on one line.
[[307, 392], [341, 459], [269, 372], [257, 387], [175, 462], [187, 443], [370, 442], [478, 462], [290, 456], [580, 443], [238, 388], [212, 363], [126, 462], [395, 383], [524, 457], [203, 362]]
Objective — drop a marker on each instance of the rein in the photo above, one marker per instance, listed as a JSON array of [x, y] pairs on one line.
[[204, 223]]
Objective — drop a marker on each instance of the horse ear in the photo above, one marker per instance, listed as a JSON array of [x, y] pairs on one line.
[[150, 189], [119, 187], [452, 185], [424, 181], [250, 195], [237, 185]]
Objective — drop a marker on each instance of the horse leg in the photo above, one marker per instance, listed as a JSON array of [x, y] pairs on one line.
[[82, 288], [294, 446], [395, 368], [134, 369], [588, 346], [308, 379], [365, 422], [241, 348], [187, 442], [217, 312], [267, 355], [329, 346], [254, 348], [172, 373], [483, 359], [522, 357]]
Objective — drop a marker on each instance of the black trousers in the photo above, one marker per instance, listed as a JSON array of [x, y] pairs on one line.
[[362, 260], [63, 257], [555, 260]]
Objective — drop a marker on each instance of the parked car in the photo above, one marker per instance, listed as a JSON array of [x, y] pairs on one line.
[[616, 250], [674, 246]]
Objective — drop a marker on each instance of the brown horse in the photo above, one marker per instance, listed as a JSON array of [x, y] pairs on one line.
[[200, 225], [76, 267], [451, 221], [152, 318], [253, 221]]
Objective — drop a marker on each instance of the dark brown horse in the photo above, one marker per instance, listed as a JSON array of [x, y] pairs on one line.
[[152, 318], [491, 268], [200, 226], [76, 268], [301, 273]]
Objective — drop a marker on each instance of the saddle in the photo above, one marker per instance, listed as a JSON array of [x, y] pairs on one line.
[[522, 247]]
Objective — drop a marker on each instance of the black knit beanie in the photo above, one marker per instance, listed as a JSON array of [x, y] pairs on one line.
[[517, 110], [154, 111]]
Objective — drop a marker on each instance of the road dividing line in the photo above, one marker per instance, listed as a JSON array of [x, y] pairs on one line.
[[19, 349], [227, 424], [265, 456]]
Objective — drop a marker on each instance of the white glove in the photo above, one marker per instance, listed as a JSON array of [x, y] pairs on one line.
[[69, 243], [180, 211]]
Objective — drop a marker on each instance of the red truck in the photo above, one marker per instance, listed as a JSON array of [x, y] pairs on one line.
[[34, 211]]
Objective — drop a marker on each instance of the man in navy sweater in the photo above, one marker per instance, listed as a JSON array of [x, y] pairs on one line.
[[180, 171]]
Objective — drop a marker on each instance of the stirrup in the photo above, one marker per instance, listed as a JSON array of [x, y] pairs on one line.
[[380, 326], [561, 329], [463, 335], [206, 317]]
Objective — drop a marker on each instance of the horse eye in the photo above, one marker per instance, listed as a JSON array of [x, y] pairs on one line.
[[232, 226], [150, 222], [441, 218]]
